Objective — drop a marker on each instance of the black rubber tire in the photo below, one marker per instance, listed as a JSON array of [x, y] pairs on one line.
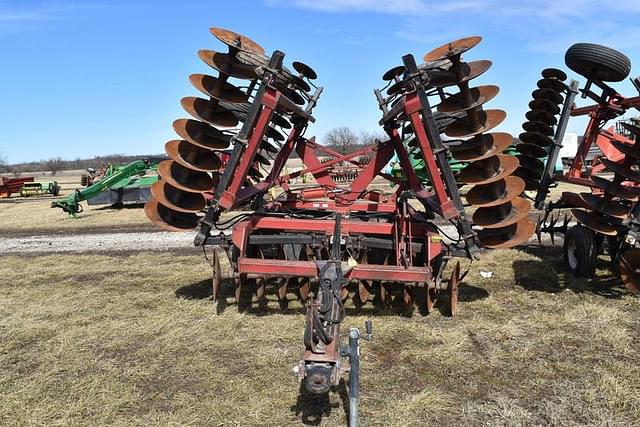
[[596, 62], [580, 252]]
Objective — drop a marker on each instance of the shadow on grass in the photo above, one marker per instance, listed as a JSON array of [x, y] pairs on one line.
[[547, 274], [312, 408], [120, 206], [198, 290]]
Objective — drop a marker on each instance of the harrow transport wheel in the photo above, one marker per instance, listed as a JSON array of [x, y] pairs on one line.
[[597, 62], [629, 265], [580, 252]]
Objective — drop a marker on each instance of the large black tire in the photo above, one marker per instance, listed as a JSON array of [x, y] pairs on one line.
[[596, 62], [580, 252]]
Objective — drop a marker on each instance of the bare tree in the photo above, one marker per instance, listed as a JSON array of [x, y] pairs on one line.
[[369, 138], [4, 165], [341, 139], [54, 165]]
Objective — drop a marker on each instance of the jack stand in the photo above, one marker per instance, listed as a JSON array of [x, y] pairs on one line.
[[353, 353]]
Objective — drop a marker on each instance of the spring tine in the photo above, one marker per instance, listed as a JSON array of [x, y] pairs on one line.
[[260, 287], [363, 292], [282, 289], [238, 290], [304, 289], [565, 223]]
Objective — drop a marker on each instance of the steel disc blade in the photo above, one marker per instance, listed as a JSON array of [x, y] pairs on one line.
[[629, 266], [201, 134], [192, 156], [531, 178], [553, 84], [535, 138], [176, 199], [208, 112], [541, 116], [632, 151], [595, 221], [473, 98], [496, 193], [508, 237], [266, 145], [468, 71], [293, 96], [215, 88], [609, 207], [280, 121], [489, 218], [305, 70], [393, 73], [237, 41], [227, 65], [548, 95], [532, 163], [169, 219], [452, 49], [554, 73], [184, 178], [532, 150], [274, 134], [300, 84], [544, 105], [482, 147], [616, 190], [477, 173], [465, 127], [619, 169], [538, 127]]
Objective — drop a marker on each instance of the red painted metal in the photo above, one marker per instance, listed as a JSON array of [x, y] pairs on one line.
[[12, 185]]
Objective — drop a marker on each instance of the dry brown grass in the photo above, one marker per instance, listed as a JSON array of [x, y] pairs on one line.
[[96, 340]]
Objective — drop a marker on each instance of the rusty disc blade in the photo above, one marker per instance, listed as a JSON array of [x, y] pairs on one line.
[[466, 71], [487, 120], [544, 105], [607, 207], [471, 98], [535, 138], [629, 266], [216, 88], [554, 73], [489, 170], [169, 219], [482, 147], [300, 83], [531, 178], [541, 116], [595, 221], [619, 169], [538, 127], [201, 134], [192, 156], [632, 151], [305, 70], [547, 94], [227, 65], [508, 237], [176, 199], [452, 49], [616, 190], [532, 163], [496, 193], [207, 111], [489, 218], [531, 150], [393, 73], [552, 84], [184, 178], [237, 41]]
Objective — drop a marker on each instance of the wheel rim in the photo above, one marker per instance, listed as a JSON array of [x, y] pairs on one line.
[[572, 257]]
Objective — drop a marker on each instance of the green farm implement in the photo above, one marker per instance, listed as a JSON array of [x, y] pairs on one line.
[[40, 188], [124, 184]]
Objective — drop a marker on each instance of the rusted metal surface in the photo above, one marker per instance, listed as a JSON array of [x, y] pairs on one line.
[[12, 185]]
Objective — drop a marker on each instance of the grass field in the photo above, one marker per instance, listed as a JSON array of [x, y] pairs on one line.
[[104, 340]]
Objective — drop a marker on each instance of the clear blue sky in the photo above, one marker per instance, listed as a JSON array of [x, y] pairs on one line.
[[83, 78]]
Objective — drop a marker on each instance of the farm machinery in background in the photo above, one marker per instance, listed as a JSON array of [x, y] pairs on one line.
[[608, 209], [26, 187], [325, 243], [114, 186]]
